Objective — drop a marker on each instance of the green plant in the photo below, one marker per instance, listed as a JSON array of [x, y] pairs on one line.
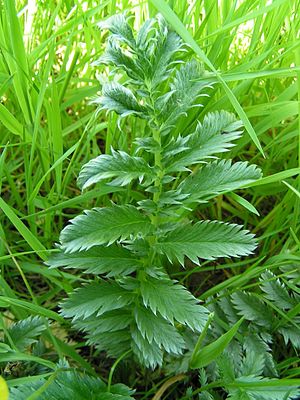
[[251, 364], [39, 375], [133, 247], [67, 383]]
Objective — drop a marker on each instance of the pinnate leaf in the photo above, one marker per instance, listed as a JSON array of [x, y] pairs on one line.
[[173, 302], [184, 92], [218, 177], [164, 50], [95, 298], [120, 28], [207, 240], [276, 291], [252, 308], [103, 226], [112, 260], [156, 329], [111, 321], [72, 385], [113, 343], [149, 354], [116, 56], [25, 332], [214, 135], [118, 98], [119, 165]]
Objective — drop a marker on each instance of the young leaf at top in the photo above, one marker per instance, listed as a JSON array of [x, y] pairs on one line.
[[118, 98], [119, 27], [185, 90], [162, 51]]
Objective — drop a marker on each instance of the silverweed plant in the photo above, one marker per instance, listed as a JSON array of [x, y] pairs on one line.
[[132, 305]]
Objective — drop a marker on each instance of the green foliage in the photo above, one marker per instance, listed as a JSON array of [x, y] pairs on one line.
[[213, 136], [96, 298], [119, 99], [207, 240], [173, 301], [247, 383], [120, 165], [71, 385], [218, 177], [25, 332], [103, 226], [98, 260], [49, 129], [143, 238]]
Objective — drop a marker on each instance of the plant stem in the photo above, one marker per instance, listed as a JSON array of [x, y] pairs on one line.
[[112, 370]]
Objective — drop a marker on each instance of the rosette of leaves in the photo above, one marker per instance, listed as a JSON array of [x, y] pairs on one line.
[[130, 248]]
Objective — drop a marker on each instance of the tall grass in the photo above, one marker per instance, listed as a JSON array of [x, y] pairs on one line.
[[49, 129]]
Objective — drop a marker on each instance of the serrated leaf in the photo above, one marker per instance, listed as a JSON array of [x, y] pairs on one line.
[[156, 329], [119, 165], [113, 343], [173, 302], [218, 177], [276, 291], [215, 135], [116, 56], [72, 385], [185, 89], [147, 143], [95, 298], [175, 146], [118, 98], [252, 308], [165, 48], [291, 333], [206, 396], [256, 344], [207, 240], [111, 321], [226, 366], [103, 226], [25, 332], [259, 388], [119, 27], [148, 354], [227, 308], [112, 260], [252, 364]]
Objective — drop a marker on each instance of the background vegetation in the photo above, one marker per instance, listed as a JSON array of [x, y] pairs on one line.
[[49, 130]]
